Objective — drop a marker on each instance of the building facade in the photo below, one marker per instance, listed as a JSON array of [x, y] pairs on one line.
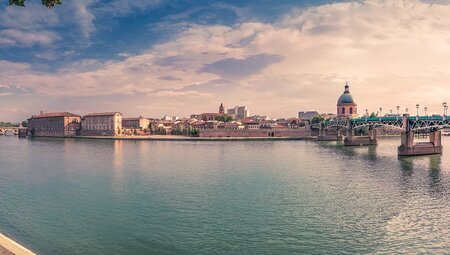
[[102, 124], [56, 124], [239, 112], [308, 115], [140, 123], [346, 105]]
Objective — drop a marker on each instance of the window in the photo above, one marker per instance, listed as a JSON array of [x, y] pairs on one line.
[[343, 110], [351, 110]]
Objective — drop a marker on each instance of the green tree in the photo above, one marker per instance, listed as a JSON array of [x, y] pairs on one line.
[[48, 3], [317, 119], [24, 123], [373, 115], [224, 118]]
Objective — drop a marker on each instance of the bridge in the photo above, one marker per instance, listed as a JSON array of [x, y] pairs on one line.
[[12, 130], [408, 125]]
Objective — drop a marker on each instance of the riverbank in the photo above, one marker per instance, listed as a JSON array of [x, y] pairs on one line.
[[10, 247], [190, 138]]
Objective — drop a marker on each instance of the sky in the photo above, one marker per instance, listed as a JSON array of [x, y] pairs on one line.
[[168, 57]]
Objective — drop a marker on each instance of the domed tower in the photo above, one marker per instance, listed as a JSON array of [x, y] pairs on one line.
[[221, 109], [346, 106]]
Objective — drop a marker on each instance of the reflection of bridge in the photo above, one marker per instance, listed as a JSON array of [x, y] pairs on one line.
[[331, 131]]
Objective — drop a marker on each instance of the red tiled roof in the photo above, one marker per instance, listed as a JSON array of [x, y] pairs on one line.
[[101, 114], [55, 114]]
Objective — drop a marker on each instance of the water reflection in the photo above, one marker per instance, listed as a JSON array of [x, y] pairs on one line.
[[118, 174], [434, 173]]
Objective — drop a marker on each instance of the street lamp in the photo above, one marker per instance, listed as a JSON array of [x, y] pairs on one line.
[[417, 107], [398, 110], [367, 113], [380, 111], [426, 108], [406, 110], [445, 105]]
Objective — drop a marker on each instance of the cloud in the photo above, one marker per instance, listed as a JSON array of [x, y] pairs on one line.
[[10, 90], [391, 52], [117, 8], [169, 78], [231, 67], [26, 38]]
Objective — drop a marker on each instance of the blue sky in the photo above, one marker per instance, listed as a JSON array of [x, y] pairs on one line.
[[156, 57], [116, 28]]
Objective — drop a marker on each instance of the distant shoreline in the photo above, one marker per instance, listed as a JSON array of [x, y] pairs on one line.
[[189, 138], [182, 138]]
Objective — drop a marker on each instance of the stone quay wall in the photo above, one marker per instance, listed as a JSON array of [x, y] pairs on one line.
[[97, 132], [254, 133]]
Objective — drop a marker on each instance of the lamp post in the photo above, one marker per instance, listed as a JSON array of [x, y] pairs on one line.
[[381, 109], [417, 107], [406, 110], [398, 110], [444, 104], [425, 108], [367, 114]]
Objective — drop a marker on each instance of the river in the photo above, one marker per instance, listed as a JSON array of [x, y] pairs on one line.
[[69, 196]]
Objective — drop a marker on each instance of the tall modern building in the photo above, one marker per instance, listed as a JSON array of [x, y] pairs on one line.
[[238, 112], [346, 105]]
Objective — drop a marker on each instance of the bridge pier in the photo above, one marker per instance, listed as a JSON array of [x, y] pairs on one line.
[[324, 136], [409, 148], [352, 140]]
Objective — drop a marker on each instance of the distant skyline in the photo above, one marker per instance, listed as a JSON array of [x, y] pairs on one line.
[[277, 57]]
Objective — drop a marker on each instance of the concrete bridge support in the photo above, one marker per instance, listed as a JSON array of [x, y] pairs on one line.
[[352, 140], [409, 148], [325, 136]]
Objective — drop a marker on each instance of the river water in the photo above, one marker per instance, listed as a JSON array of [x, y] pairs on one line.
[[68, 196]]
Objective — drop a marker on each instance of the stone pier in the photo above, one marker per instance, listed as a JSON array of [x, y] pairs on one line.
[[325, 136], [352, 140], [409, 148]]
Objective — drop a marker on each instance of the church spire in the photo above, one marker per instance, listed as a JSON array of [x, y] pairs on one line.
[[347, 90]]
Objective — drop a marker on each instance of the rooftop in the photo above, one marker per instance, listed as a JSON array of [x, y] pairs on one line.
[[54, 114], [102, 114]]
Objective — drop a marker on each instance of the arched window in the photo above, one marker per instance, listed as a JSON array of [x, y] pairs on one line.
[[343, 110], [351, 110]]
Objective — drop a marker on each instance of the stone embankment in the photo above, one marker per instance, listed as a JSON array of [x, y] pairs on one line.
[[10, 247]]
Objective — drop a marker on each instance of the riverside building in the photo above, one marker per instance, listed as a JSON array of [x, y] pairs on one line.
[[136, 123], [56, 124], [102, 124]]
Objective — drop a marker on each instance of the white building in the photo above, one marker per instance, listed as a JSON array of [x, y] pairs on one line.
[[102, 124], [238, 112]]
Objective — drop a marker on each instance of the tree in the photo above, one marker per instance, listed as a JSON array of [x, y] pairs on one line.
[[224, 118], [373, 115], [48, 3], [317, 119], [24, 123]]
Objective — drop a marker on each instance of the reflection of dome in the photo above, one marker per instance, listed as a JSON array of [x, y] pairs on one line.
[[346, 98]]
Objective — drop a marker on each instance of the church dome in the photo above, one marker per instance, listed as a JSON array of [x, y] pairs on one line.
[[346, 98]]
